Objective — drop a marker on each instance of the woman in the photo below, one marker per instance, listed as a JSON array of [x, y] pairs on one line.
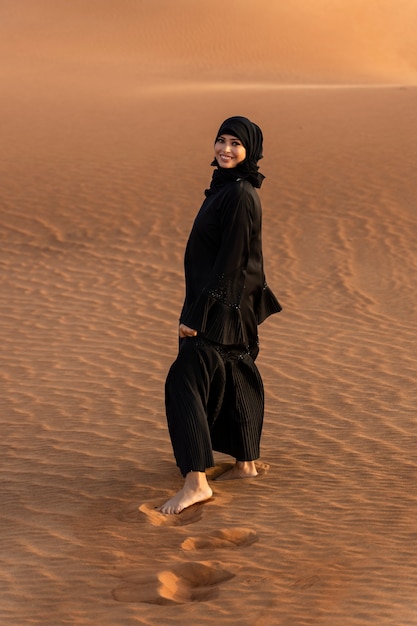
[[214, 392]]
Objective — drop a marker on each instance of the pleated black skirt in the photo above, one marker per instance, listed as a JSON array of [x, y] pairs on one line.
[[214, 400]]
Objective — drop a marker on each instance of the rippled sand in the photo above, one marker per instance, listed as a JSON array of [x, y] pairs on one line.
[[99, 190]]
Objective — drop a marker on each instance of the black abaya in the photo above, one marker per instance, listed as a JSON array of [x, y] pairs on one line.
[[214, 392]]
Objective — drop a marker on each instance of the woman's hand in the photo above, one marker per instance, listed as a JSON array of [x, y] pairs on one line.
[[185, 331]]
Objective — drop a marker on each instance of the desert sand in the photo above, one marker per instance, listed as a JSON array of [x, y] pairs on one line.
[[108, 114]]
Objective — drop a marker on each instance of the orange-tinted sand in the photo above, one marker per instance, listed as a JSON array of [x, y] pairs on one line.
[[108, 113]]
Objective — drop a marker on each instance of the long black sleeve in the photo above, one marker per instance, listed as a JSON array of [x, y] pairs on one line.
[[225, 283]]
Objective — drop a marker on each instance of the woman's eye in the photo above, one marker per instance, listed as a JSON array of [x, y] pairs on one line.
[[219, 140]]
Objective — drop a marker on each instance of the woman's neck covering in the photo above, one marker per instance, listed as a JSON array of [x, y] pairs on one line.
[[251, 137]]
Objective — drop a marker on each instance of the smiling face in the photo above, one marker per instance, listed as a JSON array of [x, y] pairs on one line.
[[229, 151]]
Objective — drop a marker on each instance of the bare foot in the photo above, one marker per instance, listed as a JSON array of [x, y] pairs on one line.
[[242, 469], [195, 489]]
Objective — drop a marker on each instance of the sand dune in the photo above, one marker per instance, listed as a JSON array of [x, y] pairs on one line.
[[101, 175], [299, 41]]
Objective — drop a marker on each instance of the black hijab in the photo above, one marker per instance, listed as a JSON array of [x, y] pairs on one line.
[[251, 137]]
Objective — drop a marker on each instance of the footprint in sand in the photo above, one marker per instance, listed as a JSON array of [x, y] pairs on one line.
[[190, 582], [191, 515], [215, 472], [223, 538]]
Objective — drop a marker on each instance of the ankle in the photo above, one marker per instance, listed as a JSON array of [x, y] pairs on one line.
[[247, 467], [196, 480]]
